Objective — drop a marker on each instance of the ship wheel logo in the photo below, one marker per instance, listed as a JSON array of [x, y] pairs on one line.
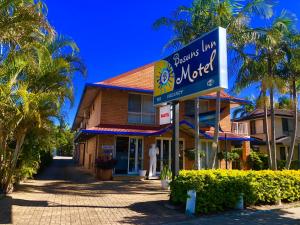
[[164, 78]]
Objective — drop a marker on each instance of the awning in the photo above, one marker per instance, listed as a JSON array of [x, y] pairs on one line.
[[155, 131], [189, 127]]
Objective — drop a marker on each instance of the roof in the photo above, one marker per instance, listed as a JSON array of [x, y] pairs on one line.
[[259, 113], [110, 129], [137, 80], [140, 78]]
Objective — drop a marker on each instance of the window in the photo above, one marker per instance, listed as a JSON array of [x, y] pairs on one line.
[[140, 109], [282, 153], [252, 127], [189, 107], [285, 125]]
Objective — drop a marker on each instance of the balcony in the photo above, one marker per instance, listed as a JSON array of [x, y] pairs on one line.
[[239, 128]]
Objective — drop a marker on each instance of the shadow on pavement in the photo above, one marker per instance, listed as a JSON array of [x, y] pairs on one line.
[[64, 178]]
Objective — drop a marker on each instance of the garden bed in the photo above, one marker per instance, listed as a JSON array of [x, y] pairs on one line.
[[218, 190]]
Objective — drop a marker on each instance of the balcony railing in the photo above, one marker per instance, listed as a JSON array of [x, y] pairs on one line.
[[239, 128]]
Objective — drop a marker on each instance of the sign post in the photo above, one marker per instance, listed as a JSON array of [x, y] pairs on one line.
[[197, 133], [175, 139], [196, 69]]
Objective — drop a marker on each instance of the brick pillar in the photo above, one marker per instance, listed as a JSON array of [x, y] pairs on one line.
[[245, 154]]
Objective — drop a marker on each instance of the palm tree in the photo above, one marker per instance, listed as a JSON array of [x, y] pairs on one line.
[[188, 23], [38, 91], [262, 66], [252, 71], [22, 21], [244, 109], [291, 72], [284, 102]]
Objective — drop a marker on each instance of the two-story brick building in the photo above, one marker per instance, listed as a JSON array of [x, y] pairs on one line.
[[117, 116]]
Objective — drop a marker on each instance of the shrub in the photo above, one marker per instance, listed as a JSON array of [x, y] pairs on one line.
[[230, 156], [218, 190], [258, 160], [294, 164], [190, 154]]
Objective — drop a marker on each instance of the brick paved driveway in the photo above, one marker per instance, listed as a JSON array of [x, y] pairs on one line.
[[65, 194]]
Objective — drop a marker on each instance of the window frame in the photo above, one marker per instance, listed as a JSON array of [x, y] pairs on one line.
[[252, 127], [285, 125], [193, 102], [141, 113]]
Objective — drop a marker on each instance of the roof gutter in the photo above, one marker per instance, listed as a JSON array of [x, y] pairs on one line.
[[119, 88]]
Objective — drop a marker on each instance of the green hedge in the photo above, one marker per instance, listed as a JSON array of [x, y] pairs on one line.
[[218, 190]]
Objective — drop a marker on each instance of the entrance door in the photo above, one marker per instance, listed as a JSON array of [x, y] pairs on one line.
[[122, 155], [135, 155], [164, 156], [206, 147]]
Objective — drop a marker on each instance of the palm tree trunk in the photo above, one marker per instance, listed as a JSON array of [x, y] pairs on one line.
[[213, 158], [3, 157], [19, 144], [293, 140], [266, 130], [273, 134]]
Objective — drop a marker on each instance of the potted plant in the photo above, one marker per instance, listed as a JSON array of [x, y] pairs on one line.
[[165, 177], [105, 165]]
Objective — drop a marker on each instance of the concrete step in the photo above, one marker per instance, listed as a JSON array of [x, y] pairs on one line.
[[127, 177], [124, 177]]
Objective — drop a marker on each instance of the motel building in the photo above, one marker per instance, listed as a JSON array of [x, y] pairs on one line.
[[117, 117]]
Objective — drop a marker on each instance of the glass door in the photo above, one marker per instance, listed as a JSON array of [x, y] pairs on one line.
[[206, 147], [121, 155], [135, 155], [164, 156], [158, 160]]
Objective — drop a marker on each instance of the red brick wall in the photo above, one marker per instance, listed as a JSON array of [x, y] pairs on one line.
[[90, 154], [95, 111], [114, 107], [105, 140], [81, 153], [246, 152]]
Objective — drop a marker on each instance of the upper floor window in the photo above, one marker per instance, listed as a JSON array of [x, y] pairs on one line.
[[285, 125], [140, 109], [189, 107], [252, 127]]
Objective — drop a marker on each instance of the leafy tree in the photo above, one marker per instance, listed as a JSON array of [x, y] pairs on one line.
[[64, 141], [36, 152]]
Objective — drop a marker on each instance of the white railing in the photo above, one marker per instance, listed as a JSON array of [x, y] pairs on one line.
[[239, 128]]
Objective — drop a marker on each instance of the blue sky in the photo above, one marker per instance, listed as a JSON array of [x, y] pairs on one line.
[[117, 36]]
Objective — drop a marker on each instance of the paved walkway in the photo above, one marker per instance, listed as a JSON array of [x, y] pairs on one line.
[[65, 194]]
